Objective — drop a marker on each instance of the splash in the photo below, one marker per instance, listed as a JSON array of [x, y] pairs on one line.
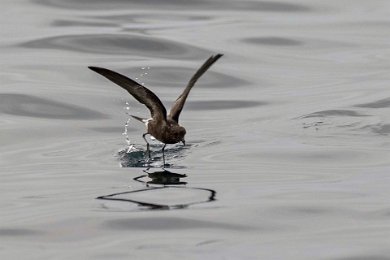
[[145, 72], [136, 156], [125, 133], [130, 147]]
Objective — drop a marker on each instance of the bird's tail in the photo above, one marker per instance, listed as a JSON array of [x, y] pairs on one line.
[[142, 120]]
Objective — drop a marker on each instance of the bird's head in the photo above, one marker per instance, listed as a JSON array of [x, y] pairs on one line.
[[180, 133]]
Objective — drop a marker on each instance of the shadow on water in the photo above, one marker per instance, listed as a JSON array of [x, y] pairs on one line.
[[164, 191]]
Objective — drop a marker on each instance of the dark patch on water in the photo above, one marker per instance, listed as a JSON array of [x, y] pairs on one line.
[[302, 210], [262, 6], [273, 41], [379, 129], [326, 113], [30, 106], [142, 21], [119, 44], [222, 104], [310, 157], [18, 232], [115, 4], [64, 23], [170, 76], [271, 6], [382, 103], [383, 129], [364, 257], [156, 17], [169, 223]]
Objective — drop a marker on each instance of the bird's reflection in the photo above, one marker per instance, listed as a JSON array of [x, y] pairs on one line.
[[160, 181], [163, 177]]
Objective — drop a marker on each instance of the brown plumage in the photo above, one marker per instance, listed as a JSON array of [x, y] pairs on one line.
[[161, 126]]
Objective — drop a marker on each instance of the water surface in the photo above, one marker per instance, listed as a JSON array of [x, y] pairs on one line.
[[288, 133]]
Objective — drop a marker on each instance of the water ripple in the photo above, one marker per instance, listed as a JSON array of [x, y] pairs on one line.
[[138, 22], [155, 17], [64, 23], [169, 224], [26, 105], [172, 76], [119, 44], [20, 232], [222, 104], [380, 129], [262, 6], [382, 103], [347, 123], [326, 113], [365, 257], [275, 41], [309, 43]]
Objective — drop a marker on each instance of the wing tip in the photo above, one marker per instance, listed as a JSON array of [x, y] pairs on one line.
[[217, 56], [96, 69]]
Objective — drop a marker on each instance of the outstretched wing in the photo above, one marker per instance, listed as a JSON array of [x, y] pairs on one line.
[[139, 92], [179, 103]]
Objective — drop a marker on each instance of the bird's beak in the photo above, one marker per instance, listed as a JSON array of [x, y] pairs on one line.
[[184, 142]]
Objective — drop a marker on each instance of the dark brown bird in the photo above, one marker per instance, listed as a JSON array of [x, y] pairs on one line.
[[161, 126]]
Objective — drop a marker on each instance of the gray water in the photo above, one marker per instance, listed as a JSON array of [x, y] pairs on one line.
[[288, 133]]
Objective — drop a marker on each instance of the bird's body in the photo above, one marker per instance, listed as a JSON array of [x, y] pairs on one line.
[[162, 126], [167, 132]]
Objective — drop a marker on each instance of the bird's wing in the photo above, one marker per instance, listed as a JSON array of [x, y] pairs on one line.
[[179, 103], [139, 92]]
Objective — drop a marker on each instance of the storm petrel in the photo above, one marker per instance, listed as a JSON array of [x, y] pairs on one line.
[[162, 126]]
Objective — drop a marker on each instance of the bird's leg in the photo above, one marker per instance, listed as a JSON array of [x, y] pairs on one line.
[[163, 155], [147, 146]]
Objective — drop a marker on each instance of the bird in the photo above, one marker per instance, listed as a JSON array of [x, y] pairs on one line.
[[161, 125]]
